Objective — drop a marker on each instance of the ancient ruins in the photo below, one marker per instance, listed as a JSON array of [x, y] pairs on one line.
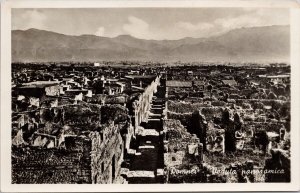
[[161, 124]]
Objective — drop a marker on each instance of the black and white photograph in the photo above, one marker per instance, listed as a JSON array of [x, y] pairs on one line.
[[150, 95]]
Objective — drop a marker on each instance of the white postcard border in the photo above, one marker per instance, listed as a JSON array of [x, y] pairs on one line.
[[6, 185]]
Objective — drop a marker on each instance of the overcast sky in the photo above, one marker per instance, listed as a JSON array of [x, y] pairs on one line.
[[147, 23]]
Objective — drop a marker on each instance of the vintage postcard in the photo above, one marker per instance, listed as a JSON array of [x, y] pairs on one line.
[[149, 96]]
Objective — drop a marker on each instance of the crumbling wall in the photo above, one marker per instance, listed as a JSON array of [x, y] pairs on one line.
[[79, 143], [115, 113], [278, 167], [199, 127], [184, 118], [141, 106], [215, 140], [183, 107], [107, 155], [83, 114], [38, 166], [182, 154], [52, 90]]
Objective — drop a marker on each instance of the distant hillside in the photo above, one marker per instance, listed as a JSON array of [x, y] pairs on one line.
[[261, 44]]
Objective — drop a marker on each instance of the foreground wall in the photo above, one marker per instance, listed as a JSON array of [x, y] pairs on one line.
[[51, 166]]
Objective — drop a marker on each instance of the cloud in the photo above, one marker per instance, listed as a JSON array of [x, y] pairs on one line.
[[195, 27], [225, 25], [136, 27], [144, 24], [31, 19], [250, 18], [256, 18], [100, 31]]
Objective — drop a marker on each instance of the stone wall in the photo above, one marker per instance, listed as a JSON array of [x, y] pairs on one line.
[[107, 155], [38, 166], [52, 90], [70, 144], [183, 154], [142, 106], [95, 158], [279, 166]]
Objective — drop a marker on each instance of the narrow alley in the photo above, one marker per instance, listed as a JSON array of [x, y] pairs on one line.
[[148, 163]]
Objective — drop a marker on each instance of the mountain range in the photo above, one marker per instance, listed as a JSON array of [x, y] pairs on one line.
[[255, 44]]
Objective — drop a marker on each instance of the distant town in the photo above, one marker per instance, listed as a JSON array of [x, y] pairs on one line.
[[125, 123]]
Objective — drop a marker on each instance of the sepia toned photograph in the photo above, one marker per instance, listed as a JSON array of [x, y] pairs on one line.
[[150, 95]]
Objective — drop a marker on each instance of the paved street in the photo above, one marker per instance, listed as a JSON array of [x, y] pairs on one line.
[[147, 165]]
